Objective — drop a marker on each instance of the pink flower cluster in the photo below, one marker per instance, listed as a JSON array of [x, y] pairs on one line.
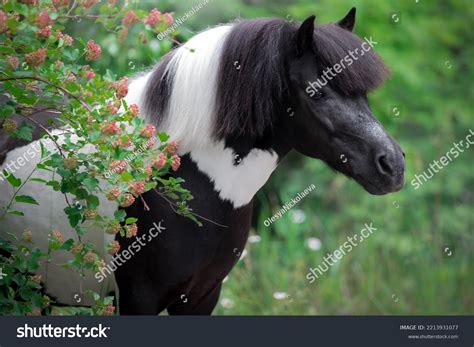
[[148, 131], [9, 125], [168, 18], [89, 73], [44, 33], [93, 50], [175, 162], [118, 166], [3, 22], [160, 162], [153, 17], [89, 257], [137, 187], [43, 20], [36, 58], [110, 308], [111, 128], [121, 87], [88, 3], [123, 143], [27, 236], [56, 236], [129, 18], [113, 194], [60, 3], [113, 247], [127, 200], [134, 109], [113, 229], [13, 62], [68, 40], [171, 148], [131, 230], [111, 108]]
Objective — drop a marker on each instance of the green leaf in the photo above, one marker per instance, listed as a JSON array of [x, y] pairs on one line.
[[109, 76], [14, 181], [131, 220], [7, 110], [150, 185], [44, 151], [68, 244], [93, 201], [90, 183], [163, 136], [120, 215], [74, 215], [40, 180], [17, 213], [126, 176], [24, 132], [55, 184], [6, 50], [26, 199]]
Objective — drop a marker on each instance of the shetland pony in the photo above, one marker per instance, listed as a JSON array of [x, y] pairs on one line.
[[237, 98]]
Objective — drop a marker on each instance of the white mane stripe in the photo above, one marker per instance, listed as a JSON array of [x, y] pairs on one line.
[[190, 114]]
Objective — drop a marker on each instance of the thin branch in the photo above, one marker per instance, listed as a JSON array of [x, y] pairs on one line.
[[65, 91], [86, 16], [16, 193], [193, 213], [50, 136], [73, 6], [36, 110], [145, 205], [27, 116]]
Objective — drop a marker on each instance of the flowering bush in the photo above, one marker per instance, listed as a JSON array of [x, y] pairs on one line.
[[42, 65]]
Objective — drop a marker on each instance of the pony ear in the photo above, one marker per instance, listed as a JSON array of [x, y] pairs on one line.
[[304, 37], [348, 21]]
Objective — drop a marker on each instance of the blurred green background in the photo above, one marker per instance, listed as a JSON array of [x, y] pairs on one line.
[[426, 106]]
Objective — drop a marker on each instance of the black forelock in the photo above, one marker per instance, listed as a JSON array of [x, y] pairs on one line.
[[250, 98], [332, 44], [252, 82]]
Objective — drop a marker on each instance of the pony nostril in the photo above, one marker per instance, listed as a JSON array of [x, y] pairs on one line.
[[383, 165]]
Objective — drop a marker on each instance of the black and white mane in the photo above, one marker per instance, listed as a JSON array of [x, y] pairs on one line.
[[250, 77]]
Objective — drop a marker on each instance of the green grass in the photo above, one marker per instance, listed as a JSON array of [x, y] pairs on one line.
[[399, 269]]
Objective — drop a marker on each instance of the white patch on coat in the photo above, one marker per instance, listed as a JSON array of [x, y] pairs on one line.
[[236, 183]]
